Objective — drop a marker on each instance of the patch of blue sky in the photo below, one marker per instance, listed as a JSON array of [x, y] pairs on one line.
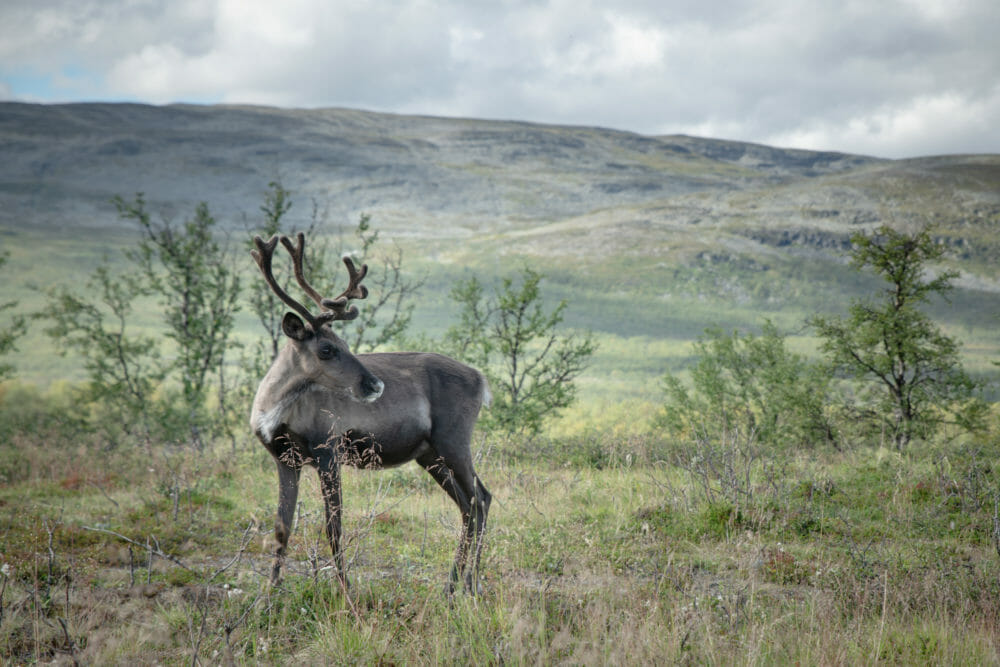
[[72, 83]]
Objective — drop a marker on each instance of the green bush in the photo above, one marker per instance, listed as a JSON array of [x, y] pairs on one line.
[[752, 386]]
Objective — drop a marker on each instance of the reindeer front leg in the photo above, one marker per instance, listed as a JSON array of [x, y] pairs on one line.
[[329, 480], [288, 493]]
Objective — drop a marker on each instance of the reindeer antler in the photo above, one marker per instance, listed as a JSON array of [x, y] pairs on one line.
[[333, 309], [298, 257], [336, 308], [263, 255], [355, 290]]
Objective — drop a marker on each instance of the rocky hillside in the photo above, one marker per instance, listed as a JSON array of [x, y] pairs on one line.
[[59, 159], [434, 178], [577, 193]]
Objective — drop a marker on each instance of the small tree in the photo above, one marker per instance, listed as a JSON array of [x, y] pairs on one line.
[[751, 385], [264, 304], [513, 339], [387, 316], [198, 286], [10, 333], [913, 370], [123, 369]]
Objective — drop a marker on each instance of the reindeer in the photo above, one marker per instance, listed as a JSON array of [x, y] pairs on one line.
[[323, 406]]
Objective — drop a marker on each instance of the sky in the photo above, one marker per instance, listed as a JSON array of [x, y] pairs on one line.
[[889, 78]]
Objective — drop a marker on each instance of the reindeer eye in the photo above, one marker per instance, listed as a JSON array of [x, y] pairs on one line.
[[327, 351]]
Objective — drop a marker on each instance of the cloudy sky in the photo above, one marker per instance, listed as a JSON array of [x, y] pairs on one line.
[[893, 78]]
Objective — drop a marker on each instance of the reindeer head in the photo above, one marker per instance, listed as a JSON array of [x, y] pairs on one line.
[[319, 355]]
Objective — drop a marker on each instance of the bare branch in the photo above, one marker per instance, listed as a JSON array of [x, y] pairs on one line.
[[155, 551]]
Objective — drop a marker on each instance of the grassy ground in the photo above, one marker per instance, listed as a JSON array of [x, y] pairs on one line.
[[605, 547], [606, 544]]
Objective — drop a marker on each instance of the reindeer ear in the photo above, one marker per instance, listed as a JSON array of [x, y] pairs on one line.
[[294, 327]]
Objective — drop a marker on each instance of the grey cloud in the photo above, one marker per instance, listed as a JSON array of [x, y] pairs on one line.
[[889, 78]]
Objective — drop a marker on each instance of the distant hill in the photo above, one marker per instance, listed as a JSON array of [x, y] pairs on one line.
[[652, 236], [450, 178]]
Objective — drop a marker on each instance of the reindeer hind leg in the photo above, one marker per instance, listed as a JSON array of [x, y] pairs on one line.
[[445, 477], [476, 529]]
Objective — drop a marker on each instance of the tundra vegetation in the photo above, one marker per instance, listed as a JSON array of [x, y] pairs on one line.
[[768, 504], [9, 333]]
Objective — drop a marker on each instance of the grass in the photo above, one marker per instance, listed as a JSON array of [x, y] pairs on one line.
[[606, 543], [605, 547]]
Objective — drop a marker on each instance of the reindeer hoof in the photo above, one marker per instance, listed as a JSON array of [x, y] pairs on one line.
[[276, 574]]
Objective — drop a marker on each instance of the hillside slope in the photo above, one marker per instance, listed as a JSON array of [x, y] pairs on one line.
[[655, 236], [445, 178]]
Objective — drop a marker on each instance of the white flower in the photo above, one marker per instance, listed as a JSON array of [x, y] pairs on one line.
[[5, 569]]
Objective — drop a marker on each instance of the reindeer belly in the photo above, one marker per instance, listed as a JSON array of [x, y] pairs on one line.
[[381, 448]]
